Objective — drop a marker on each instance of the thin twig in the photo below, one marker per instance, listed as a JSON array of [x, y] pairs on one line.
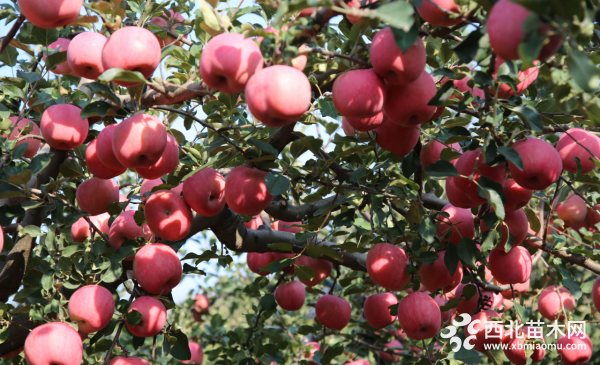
[[116, 339], [334, 54]]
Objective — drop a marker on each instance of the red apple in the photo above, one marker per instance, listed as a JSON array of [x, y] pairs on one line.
[[272, 101], [254, 223], [62, 68], [53, 13], [148, 185], [519, 289], [365, 124], [85, 54], [353, 19], [568, 149], [290, 296], [460, 222], [572, 211], [201, 303], [287, 227], [517, 223], [387, 357], [442, 301], [549, 302], [472, 164], [53, 343], [419, 316], [166, 164], [505, 29], [376, 309], [63, 128], [333, 312], [393, 65], [596, 294], [33, 143], [437, 276], [459, 198], [436, 12], [104, 148], [96, 167], [357, 362], [515, 351], [516, 196], [132, 49], [321, 268], [228, 61], [406, 105], [95, 195], [433, 149], [154, 316], [466, 306], [197, 355], [210, 199], [157, 268], [574, 350], [386, 265], [512, 267], [359, 93], [463, 86], [168, 215], [92, 307], [256, 260], [246, 192], [124, 228], [309, 351], [486, 332], [139, 141], [397, 139], [128, 360], [80, 230], [173, 21], [542, 164], [526, 78]]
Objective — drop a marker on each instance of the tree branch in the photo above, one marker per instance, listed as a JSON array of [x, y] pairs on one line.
[[578, 260], [11, 33]]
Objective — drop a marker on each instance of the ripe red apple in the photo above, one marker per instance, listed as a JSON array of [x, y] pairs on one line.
[[290, 296], [365, 124], [246, 192], [272, 101], [62, 68], [505, 29], [154, 316], [512, 267], [419, 316], [96, 167], [549, 302], [33, 143], [124, 228], [173, 21], [596, 294], [437, 276], [63, 128], [92, 307], [104, 148], [287, 227], [210, 199], [349, 131], [148, 185], [53, 14], [165, 164], [333, 312], [228, 61], [466, 306], [53, 343], [433, 149], [471, 163], [139, 141], [254, 223], [568, 149], [515, 351], [128, 360], [397, 139], [80, 230], [359, 93], [459, 198], [516, 196], [485, 332], [321, 268], [309, 351], [85, 55], [256, 260], [526, 78], [407, 105], [201, 303], [376, 309], [168, 215], [197, 355], [357, 362], [95, 195], [460, 222], [387, 357], [517, 223], [157, 268], [393, 65], [542, 164], [574, 350], [573, 210], [462, 85], [132, 49], [353, 19], [432, 11], [386, 265]]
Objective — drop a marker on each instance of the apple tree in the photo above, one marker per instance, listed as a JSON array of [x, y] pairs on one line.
[[365, 182]]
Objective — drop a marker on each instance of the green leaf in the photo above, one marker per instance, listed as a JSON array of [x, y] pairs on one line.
[[569, 282], [328, 108], [520, 310], [277, 183], [467, 250], [113, 273], [493, 192], [45, 36], [405, 40], [181, 348], [263, 146], [55, 59], [117, 74], [9, 56], [428, 230], [451, 258], [411, 163], [134, 317], [267, 302], [48, 279], [511, 155], [530, 115], [104, 91], [39, 162], [33, 231], [189, 269], [304, 272], [468, 48], [442, 94], [9, 191], [583, 71], [532, 218], [441, 170], [397, 14], [97, 109]]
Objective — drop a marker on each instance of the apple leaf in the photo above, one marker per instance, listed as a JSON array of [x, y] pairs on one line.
[[45, 36], [442, 94], [569, 282], [397, 14], [428, 257], [467, 50], [428, 230], [189, 269], [267, 302], [104, 91], [467, 250], [328, 108], [134, 317], [277, 183], [534, 221], [511, 155], [31, 230], [97, 109], [441, 170], [583, 71], [469, 291], [55, 59], [304, 272], [117, 74], [181, 348], [405, 39], [451, 258], [279, 264]]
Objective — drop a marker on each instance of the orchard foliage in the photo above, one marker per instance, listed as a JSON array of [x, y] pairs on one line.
[[354, 160]]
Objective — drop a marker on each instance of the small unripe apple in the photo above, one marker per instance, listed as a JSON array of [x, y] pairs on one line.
[[437, 276], [290, 296], [419, 316], [359, 93], [168, 215], [393, 65], [406, 105], [124, 228], [95, 195], [157, 268], [397, 139], [574, 350], [386, 265], [104, 148], [257, 260], [549, 302], [246, 192], [85, 55], [33, 143], [512, 267], [430, 153], [92, 307], [154, 316], [53, 343], [50, 14], [96, 167], [376, 309], [460, 222], [63, 128], [516, 196], [542, 164], [568, 149], [210, 199], [139, 141], [132, 49], [80, 230], [321, 268], [62, 68], [228, 61], [437, 12], [333, 312], [166, 164]]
